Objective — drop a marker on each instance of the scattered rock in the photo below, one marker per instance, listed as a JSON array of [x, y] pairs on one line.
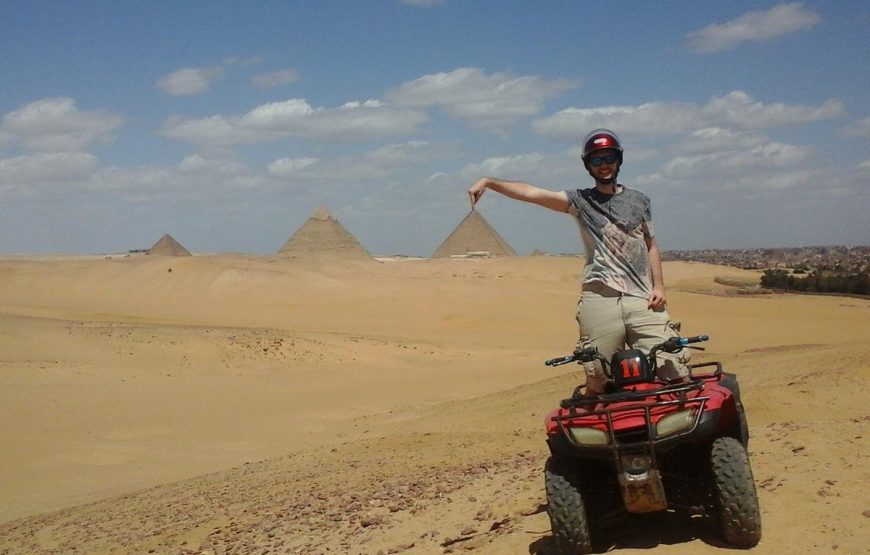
[[529, 511], [371, 520], [475, 543]]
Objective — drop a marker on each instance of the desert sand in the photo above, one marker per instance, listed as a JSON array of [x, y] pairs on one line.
[[242, 404]]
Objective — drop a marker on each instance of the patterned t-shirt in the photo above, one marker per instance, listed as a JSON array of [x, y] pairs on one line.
[[614, 229]]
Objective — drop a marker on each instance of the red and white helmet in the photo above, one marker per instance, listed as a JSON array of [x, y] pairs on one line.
[[600, 139]]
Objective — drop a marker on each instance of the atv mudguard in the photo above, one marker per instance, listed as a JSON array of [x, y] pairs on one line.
[[729, 381]]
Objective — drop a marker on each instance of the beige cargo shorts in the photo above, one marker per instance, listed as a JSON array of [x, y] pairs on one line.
[[612, 321]]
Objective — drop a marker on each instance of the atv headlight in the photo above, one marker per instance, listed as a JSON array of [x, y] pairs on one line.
[[675, 423], [589, 437]]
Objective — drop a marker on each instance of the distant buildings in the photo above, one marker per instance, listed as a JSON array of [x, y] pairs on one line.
[[841, 259]]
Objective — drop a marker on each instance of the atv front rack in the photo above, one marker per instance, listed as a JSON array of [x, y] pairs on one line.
[[605, 409], [609, 411]]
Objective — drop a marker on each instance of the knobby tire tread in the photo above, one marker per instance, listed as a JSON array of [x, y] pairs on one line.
[[566, 508], [739, 513]]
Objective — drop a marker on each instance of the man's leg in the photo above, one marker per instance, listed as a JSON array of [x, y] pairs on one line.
[[600, 318], [646, 328]]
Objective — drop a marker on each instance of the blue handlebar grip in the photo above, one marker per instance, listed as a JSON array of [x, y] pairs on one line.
[[696, 339]]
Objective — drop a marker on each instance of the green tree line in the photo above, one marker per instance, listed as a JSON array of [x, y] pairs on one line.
[[817, 282]]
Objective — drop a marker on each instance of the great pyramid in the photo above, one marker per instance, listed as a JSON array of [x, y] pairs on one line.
[[168, 246], [474, 235], [323, 236]]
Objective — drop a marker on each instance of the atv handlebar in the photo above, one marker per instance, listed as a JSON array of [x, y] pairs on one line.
[[687, 340], [586, 354], [590, 353], [559, 361], [674, 344]]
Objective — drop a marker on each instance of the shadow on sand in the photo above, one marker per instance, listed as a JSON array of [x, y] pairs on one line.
[[644, 531]]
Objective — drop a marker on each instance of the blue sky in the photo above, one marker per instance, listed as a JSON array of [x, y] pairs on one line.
[[227, 124]]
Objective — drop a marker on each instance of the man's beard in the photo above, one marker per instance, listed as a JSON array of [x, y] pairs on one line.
[[609, 181]]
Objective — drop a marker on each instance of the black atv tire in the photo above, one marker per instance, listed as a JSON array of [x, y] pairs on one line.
[[566, 508], [734, 492]]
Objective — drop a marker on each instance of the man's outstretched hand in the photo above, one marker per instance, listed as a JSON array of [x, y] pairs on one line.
[[476, 191]]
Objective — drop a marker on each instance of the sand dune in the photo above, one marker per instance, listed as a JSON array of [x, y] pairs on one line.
[[239, 404]]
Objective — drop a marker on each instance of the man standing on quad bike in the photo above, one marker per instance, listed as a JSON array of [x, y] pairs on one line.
[[623, 299]]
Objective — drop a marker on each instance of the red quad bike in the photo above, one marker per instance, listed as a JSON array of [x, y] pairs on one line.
[[648, 444]]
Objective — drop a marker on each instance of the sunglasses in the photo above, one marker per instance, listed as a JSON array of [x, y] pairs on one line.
[[598, 160]]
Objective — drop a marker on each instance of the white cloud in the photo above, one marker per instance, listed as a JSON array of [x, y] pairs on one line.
[[860, 128], [190, 179], [370, 103], [197, 164], [379, 163], [395, 155], [557, 170], [291, 167], [739, 109], [764, 157], [483, 100], [135, 183], [736, 109], [488, 101], [198, 175], [197, 80], [503, 166], [754, 26], [353, 121], [214, 130], [730, 163], [274, 79], [56, 124], [190, 80], [711, 139], [714, 185], [43, 168], [277, 115], [363, 121], [646, 119]]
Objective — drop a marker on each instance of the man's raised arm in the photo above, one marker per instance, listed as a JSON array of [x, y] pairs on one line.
[[526, 192]]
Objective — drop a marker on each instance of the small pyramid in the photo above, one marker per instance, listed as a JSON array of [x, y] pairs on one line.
[[323, 236], [474, 235], [168, 246]]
